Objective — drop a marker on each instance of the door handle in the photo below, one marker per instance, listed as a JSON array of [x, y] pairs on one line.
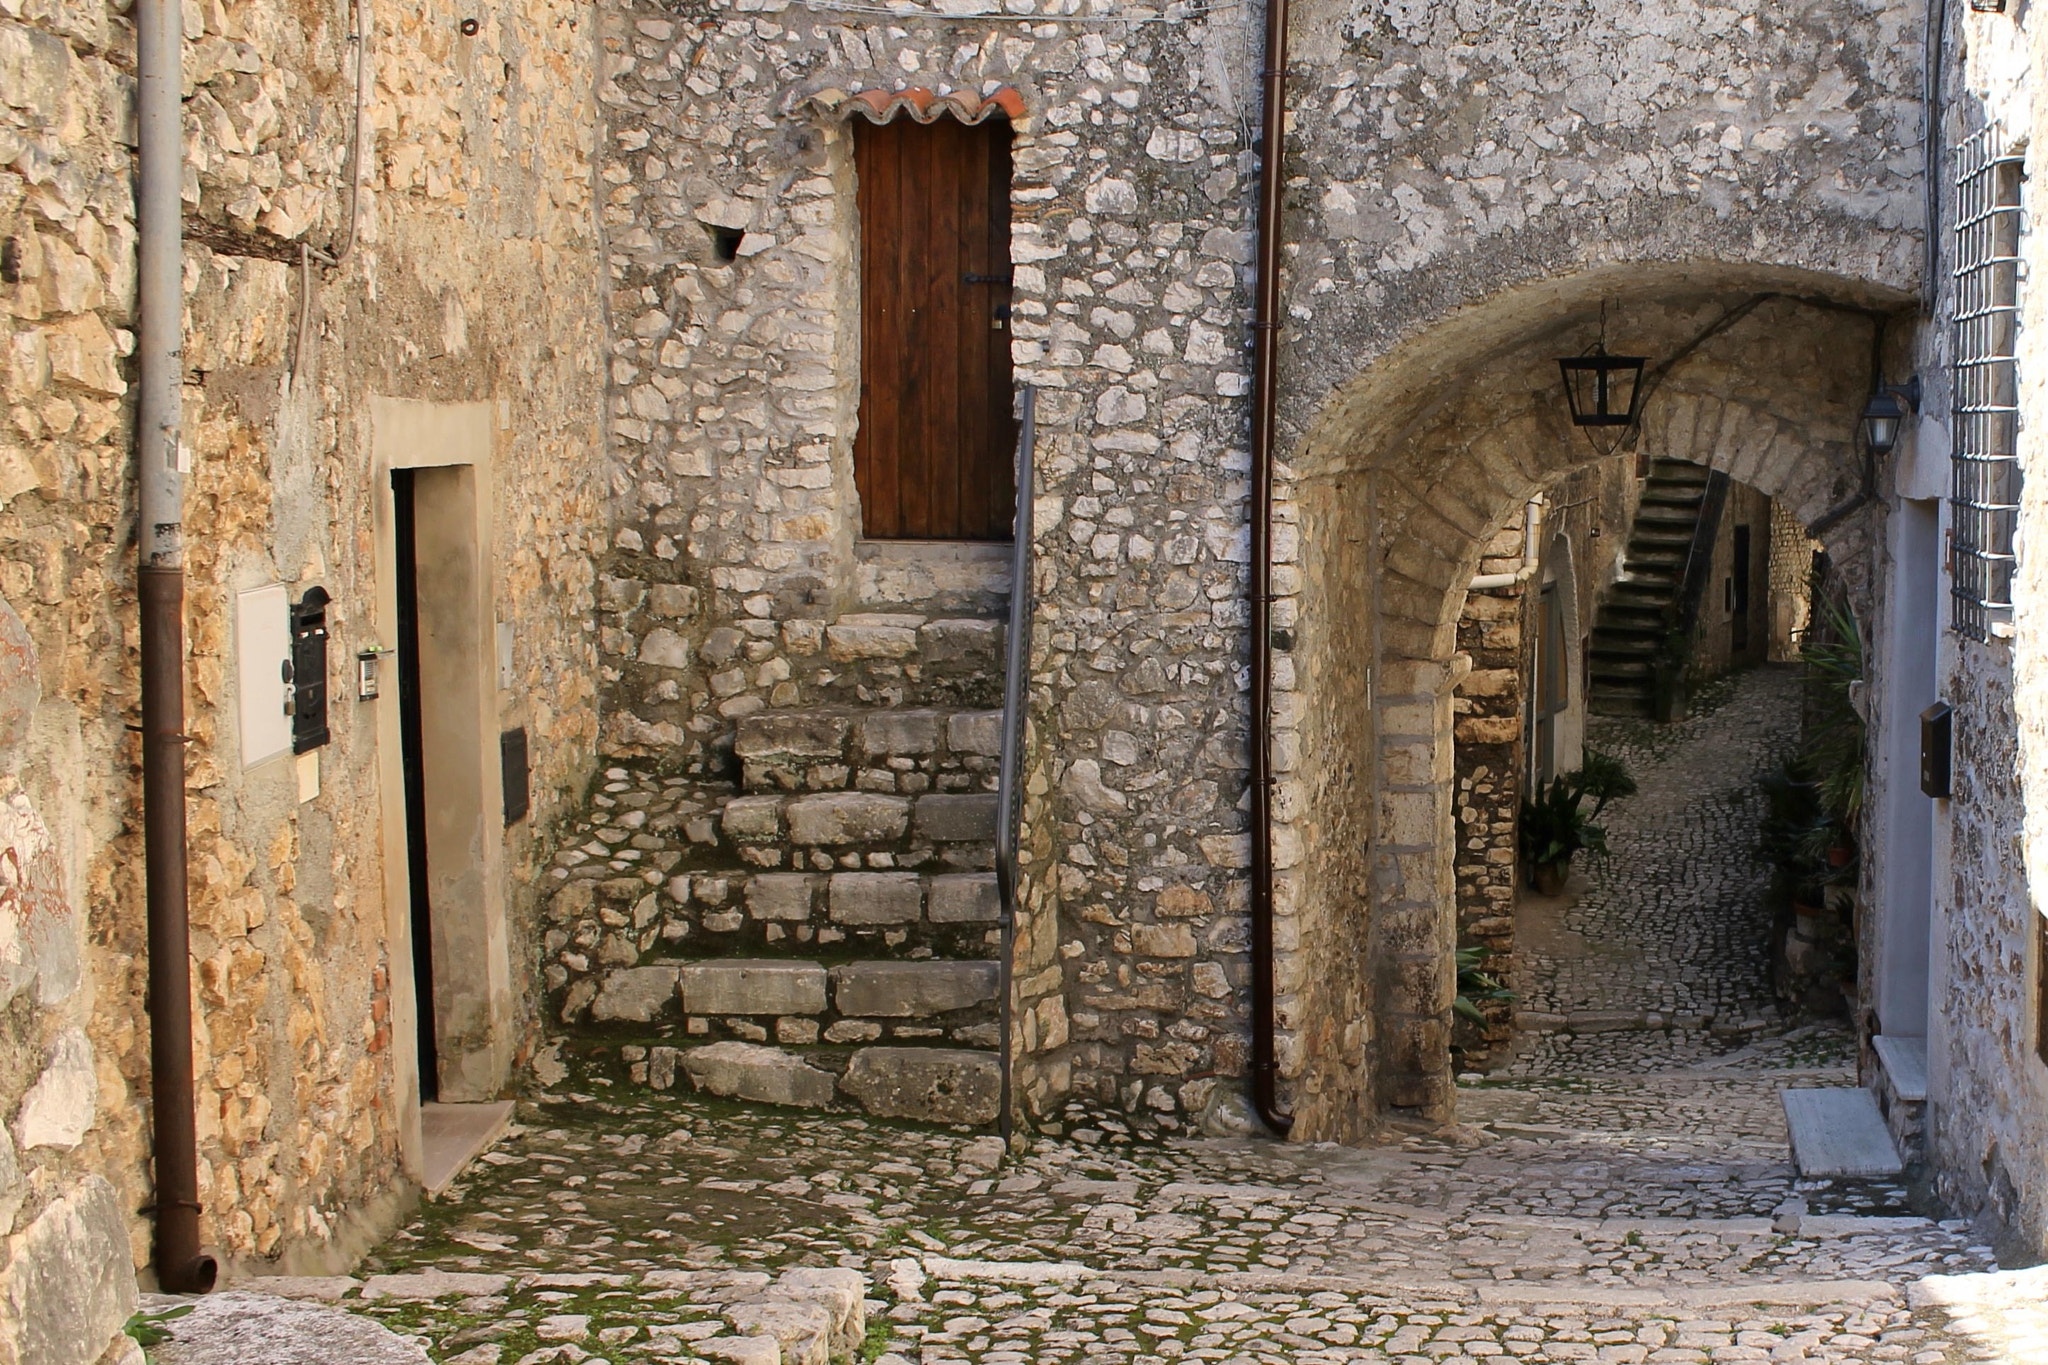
[[985, 279]]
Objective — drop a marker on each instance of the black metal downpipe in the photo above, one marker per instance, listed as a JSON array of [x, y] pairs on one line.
[[1265, 402]]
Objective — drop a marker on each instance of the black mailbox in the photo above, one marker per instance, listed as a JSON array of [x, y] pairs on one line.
[[513, 763], [309, 671], [1937, 735]]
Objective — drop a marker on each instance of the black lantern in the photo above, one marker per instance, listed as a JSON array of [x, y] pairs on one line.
[[1603, 390], [1886, 411]]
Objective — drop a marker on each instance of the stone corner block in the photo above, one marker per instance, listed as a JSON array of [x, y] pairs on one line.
[[876, 898], [803, 734], [635, 994], [781, 895], [965, 898], [238, 1325], [910, 733], [957, 819], [975, 732], [848, 818], [752, 819], [766, 1075], [753, 986], [937, 1085], [900, 990]]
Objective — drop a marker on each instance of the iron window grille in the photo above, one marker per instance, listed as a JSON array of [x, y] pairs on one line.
[[1984, 387]]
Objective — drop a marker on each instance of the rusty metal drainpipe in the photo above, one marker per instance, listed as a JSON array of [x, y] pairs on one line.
[[181, 1267], [1265, 397]]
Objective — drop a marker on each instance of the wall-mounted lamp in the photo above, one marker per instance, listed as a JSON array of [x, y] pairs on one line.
[[1988, 6], [1887, 409]]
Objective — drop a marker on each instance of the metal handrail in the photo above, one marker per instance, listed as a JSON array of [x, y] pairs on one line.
[[1008, 786]]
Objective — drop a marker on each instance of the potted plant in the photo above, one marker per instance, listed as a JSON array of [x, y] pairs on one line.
[[1476, 985], [1671, 670], [1556, 823]]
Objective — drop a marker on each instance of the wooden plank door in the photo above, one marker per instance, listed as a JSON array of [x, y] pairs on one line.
[[932, 459]]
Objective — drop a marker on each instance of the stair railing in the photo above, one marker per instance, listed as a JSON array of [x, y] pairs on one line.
[[1669, 671], [1009, 786]]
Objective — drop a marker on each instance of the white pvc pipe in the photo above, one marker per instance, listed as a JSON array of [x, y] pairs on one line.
[[1532, 525]]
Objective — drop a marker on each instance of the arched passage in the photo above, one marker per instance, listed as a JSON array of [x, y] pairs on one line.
[[1397, 486]]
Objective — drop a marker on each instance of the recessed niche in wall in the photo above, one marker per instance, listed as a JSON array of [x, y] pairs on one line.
[[725, 242]]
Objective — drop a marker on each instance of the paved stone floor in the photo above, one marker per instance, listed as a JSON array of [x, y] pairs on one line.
[[1613, 1196], [1672, 927]]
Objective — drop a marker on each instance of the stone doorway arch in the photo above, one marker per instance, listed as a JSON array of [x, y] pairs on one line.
[[1396, 486]]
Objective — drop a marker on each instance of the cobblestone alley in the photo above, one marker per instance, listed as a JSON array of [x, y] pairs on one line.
[[1615, 1195]]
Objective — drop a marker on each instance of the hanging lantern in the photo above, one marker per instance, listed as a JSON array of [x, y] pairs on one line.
[[1603, 390]]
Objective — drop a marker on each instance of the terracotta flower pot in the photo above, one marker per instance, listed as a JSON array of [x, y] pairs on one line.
[[1549, 878]]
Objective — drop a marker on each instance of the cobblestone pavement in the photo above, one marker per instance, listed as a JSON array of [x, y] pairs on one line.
[[1671, 929], [1568, 1219], [1608, 1196]]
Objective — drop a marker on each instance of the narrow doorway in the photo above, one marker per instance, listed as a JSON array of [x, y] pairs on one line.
[[412, 746], [1738, 593], [1906, 943], [1551, 691], [931, 456]]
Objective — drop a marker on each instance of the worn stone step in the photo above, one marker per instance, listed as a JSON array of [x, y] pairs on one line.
[[597, 927], [949, 1085], [895, 659], [794, 1001], [858, 821], [897, 751], [1608, 701]]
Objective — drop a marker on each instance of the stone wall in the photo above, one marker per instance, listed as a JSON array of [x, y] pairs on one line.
[[470, 274], [1583, 530], [65, 1282], [1714, 650], [1988, 1099], [734, 395], [735, 390], [1791, 582]]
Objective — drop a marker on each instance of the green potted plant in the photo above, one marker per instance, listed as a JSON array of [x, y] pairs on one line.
[[1671, 676], [1476, 985], [1556, 823]]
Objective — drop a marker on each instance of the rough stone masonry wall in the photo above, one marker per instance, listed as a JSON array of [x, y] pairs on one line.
[[1988, 1106], [1694, 133], [474, 277], [1590, 512], [735, 394], [1446, 156]]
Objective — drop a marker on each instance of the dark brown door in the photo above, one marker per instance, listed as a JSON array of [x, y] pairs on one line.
[[932, 458]]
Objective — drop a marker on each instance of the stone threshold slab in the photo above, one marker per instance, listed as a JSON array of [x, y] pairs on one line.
[[1839, 1132], [453, 1135]]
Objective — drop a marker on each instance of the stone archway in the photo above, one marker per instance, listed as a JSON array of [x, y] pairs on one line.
[[1407, 474]]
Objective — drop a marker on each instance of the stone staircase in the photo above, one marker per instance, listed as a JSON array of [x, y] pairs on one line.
[[1643, 603], [816, 927]]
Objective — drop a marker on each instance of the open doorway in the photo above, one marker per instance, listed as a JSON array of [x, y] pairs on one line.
[[439, 762], [421, 899]]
